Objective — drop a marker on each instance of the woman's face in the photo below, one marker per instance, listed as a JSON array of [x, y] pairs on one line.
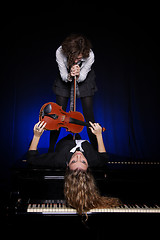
[[78, 161]]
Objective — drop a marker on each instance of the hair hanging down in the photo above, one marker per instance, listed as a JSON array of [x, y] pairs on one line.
[[82, 193], [74, 45]]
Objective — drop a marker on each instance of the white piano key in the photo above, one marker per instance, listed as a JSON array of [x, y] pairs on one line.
[[59, 207]]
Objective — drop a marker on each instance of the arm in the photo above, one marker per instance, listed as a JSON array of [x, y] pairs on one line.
[[97, 131], [86, 68], [33, 158], [60, 59], [38, 130]]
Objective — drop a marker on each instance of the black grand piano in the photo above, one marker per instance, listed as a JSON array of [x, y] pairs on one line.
[[37, 201]]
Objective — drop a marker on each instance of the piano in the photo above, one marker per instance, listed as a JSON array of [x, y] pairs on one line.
[[37, 199], [59, 207]]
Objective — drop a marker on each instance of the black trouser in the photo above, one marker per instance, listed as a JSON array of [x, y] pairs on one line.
[[87, 105]]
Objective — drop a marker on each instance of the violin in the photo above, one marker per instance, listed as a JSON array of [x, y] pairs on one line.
[[56, 117]]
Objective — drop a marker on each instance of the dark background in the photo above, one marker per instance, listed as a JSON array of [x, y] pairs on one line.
[[126, 47]]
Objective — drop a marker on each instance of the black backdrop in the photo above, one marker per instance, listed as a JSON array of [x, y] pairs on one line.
[[126, 47]]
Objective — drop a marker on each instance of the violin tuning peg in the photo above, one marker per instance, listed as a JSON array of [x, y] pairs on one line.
[[103, 129]]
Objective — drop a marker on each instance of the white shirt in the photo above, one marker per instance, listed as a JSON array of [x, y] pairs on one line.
[[78, 145], [62, 65]]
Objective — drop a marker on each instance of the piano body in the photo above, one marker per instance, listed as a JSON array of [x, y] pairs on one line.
[[37, 200]]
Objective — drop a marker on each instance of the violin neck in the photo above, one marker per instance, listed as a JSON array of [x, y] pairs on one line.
[[78, 122]]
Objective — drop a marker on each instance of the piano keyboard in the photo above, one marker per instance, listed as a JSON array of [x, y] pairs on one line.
[[58, 207]]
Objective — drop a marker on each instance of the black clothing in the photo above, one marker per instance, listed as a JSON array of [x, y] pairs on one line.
[[62, 155], [86, 88]]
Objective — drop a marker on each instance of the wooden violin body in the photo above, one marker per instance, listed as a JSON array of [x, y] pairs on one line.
[[56, 117]]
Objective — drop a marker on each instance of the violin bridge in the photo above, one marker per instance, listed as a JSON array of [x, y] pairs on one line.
[[63, 118]]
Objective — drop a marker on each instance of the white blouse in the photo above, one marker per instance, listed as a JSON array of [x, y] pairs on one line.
[[61, 59]]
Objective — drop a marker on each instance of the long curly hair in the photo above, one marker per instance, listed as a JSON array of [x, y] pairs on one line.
[[74, 45], [81, 192]]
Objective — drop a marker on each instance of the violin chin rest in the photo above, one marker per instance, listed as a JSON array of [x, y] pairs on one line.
[[47, 109]]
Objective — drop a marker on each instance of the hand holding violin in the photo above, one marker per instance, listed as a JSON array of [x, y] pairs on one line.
[[97, 131], [38, 131], [96, 128], [39, 128]]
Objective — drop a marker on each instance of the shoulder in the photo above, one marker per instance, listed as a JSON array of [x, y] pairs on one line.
[[94, 158], [59, 52], [91, 54], [60, 57], [90, 58]]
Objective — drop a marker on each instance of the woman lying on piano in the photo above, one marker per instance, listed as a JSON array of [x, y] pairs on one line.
[[77, 157]]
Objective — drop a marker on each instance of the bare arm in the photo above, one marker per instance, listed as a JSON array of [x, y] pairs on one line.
[[97, 131], [38, 130]]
